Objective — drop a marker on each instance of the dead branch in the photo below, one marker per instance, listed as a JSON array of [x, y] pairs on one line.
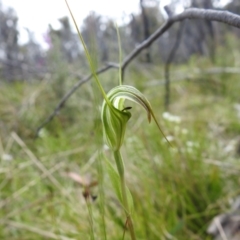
[[68, 95], [191, 13]]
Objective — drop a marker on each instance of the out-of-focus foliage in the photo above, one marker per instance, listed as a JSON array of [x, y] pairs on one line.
[[176, 191], [9, 48], [30, 61]]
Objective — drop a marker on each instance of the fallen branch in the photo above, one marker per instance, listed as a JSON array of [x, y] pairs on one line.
[[191, 13], [68, 95]]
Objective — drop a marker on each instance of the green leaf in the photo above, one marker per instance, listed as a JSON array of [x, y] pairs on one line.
[[130, 201], [115, 179]]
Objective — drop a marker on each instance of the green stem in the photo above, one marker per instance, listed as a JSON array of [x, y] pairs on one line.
[[90, 218], [120, 55], [120, 167], [92, 68], [101, 196]]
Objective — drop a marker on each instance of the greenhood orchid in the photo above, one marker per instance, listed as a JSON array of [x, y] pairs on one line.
[[115, 116]]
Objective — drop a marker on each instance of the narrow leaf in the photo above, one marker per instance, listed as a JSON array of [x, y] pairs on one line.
[[115, 179], [130, 201]]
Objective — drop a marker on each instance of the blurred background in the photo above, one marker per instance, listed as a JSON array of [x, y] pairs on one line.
[[177, 191], [33, 35]]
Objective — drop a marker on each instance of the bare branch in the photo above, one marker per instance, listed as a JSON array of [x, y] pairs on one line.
[[68, 95], [191, 13]]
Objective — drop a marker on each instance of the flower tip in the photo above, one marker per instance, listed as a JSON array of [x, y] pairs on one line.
[[149, 118]]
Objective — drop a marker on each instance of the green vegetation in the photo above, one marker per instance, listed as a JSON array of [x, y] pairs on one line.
[[176, 190]]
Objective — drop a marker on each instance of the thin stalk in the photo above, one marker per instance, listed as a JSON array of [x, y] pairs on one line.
[[101, 195], [91, 65], [90, 218], [120, 167], [120, 55]]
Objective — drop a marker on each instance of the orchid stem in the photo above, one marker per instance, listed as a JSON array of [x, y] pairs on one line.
[[89, 206], [120, 167]]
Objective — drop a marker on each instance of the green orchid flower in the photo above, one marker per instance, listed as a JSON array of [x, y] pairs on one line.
[[115, 116]]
